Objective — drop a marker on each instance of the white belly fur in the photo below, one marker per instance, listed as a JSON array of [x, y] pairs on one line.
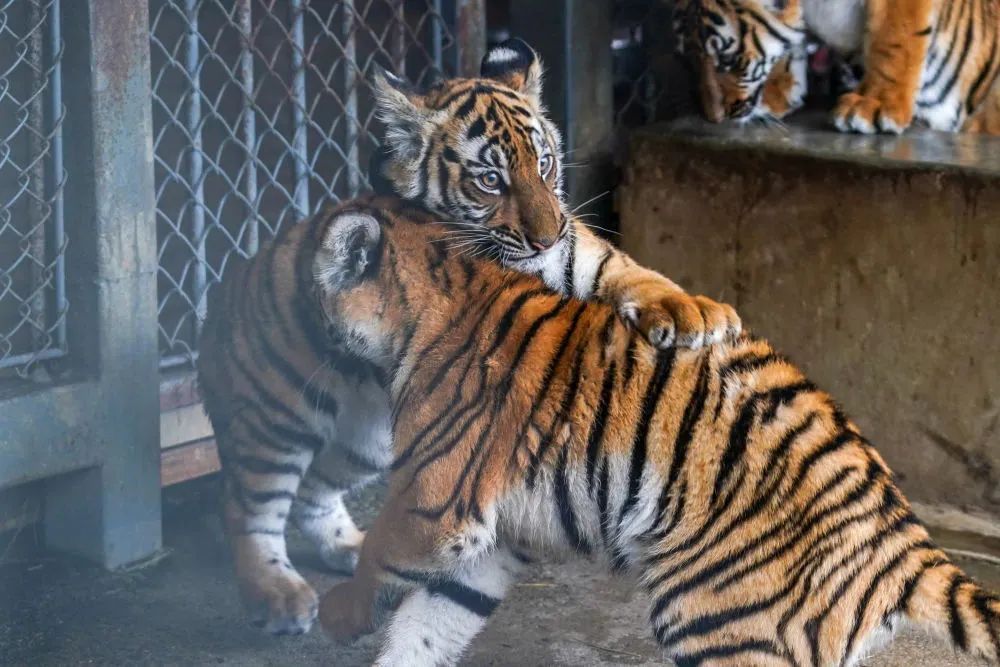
[[839, 23]]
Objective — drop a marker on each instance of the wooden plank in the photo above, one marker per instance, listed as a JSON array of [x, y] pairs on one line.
[[179, 390], [194, 459], [184, 425]]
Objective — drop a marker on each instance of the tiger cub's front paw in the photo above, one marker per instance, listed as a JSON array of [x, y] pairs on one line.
[[674, 318], [345, 614], [869, 114]]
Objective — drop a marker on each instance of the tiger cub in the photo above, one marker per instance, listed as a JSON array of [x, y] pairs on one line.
[[933, 60], [298, 416], [765, 529]]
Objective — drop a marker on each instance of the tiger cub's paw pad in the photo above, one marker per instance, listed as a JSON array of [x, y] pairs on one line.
[[721, 321], [282, 605], [343, 619], [666, 320], [868, 115]]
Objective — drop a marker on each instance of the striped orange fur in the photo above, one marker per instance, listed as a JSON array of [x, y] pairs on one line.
[[764, 527], [932, 60], [298, 419]]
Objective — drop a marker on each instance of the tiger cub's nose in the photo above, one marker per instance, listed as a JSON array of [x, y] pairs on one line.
[[543, 243]]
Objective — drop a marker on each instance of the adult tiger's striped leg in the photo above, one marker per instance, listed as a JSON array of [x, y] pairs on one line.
[[435, 624], [262, 475]]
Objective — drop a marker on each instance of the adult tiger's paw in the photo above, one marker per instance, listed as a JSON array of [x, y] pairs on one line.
[[344, 615], [869, 114], [674, 318]]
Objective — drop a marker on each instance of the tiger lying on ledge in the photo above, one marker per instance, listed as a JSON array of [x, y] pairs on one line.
[[763, 526]]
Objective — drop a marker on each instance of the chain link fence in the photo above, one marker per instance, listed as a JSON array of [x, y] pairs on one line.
[[263, 114], [33, 301], [643, 44]]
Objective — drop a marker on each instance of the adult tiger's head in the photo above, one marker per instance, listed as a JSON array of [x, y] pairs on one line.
[[746, 53], [479, 152]]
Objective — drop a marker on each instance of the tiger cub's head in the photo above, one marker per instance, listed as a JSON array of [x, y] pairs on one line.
[[478, 152], [748, 54]]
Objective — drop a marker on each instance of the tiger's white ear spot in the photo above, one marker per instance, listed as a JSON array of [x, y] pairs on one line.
[[502, 54], [516, 65]]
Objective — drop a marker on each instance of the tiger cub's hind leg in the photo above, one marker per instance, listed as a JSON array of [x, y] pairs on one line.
[[260, 484], [320, 514], [358, 450]]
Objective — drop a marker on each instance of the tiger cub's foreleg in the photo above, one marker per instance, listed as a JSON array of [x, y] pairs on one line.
[[898, 36], [259, 487], [458, 607], [663, 312], [404, 549]]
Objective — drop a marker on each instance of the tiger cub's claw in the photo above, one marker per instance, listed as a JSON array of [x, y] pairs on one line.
[[682, 320]]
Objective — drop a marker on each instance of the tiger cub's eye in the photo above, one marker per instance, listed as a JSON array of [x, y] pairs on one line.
[[545, 165], [489, 181]]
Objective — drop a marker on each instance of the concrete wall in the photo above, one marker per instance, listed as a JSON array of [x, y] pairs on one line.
[[881, 279]]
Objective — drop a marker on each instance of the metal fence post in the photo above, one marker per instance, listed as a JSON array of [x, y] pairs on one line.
[[469, 19], [573, 38], [110, 512]]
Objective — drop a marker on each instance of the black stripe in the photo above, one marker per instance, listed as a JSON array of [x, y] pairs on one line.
[[598, 274], [955, 624], [640, 442], [600, 422], [726, 651], [685, 433], [981, 603], [570, 264], [873, 586], [477, 602], [564, 503], [259, 466]]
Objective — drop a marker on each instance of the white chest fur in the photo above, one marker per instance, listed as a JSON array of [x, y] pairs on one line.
[[839, 23]]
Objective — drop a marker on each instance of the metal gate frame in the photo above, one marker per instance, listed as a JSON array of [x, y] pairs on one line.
[[95, 435]]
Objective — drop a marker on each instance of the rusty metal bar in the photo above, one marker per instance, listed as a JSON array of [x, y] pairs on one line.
[[300, 148], [399, 38], [195, 162], [350, 97], [57, 174], [37, 206], [469, 20], [249, 125]]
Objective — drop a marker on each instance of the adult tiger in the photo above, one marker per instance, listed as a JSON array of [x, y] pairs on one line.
[[765, 529], [298, 418], [933, 60]]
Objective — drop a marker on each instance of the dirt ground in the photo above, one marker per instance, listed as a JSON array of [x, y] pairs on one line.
[[183, 610]]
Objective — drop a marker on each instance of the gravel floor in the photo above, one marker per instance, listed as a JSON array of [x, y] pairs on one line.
[[182, 610]]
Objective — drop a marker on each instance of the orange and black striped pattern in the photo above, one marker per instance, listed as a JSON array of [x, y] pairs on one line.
[[764, 527], [298, 420], [935, 61]]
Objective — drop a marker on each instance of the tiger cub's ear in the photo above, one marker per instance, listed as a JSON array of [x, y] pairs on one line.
[[400, 106], [348, 252], [516, 65]]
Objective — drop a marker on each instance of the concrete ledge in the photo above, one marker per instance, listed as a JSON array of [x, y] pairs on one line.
[[873, 262]]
